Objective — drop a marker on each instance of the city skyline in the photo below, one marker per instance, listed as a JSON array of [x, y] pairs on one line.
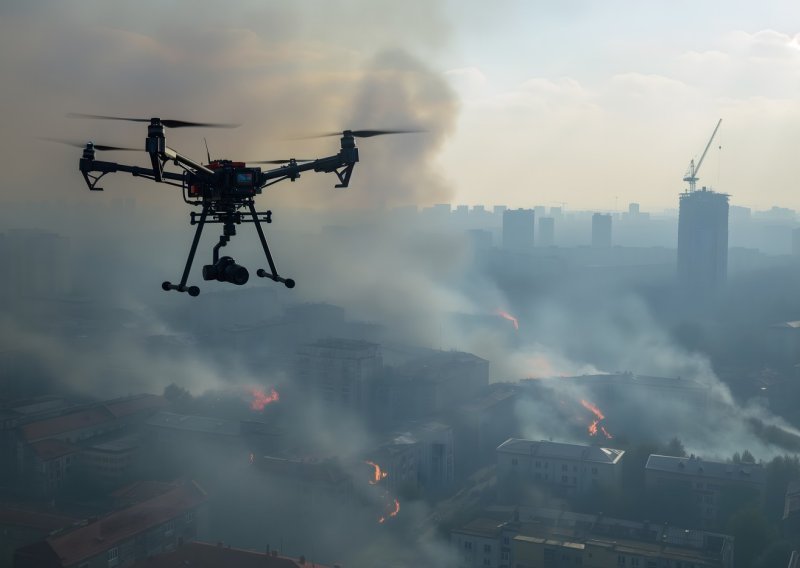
[[528, 104]]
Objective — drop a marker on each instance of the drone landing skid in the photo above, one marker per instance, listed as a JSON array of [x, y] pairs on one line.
[[225, 269]]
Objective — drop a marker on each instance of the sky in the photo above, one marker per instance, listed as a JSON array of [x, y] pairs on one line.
[[588, 104]]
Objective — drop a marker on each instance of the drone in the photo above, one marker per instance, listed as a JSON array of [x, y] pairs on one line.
[[225, 190]]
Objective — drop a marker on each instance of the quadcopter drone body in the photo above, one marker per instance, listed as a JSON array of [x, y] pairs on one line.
[[224, 190]]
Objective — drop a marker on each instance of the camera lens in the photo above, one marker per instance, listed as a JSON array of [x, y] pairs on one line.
[[226, 270], [235, 274]]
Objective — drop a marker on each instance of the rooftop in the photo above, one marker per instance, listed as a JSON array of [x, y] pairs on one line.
[[487, 528], [696, 466], [66, 423], [560, 450], [204, 555], [700, 557], [438, 359], [116, 443], [135, 404], [139, 491], [94, 538], [345, 344], [310, 469], [191, 423]]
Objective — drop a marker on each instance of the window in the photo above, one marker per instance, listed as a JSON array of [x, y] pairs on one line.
[[564, 467], [635, 562], [506, 540], [487, 562], [514, 461], [487, 548], [504, 556], [594, 471], [468, 545], [564, 479], [574, 468], [169, 528], [189, 516], [538, 464], [620, 560], [113, 556]]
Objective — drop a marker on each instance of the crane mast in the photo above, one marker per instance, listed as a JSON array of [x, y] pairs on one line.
[[691, 173]]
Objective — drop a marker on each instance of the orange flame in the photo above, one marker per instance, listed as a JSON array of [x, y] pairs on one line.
[[378, 474], [393, 513], [509, 317], [261, 399], [595, 425], [593, 409]]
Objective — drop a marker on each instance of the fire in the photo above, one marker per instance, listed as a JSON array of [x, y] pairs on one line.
[[593, 409], [378, 474], [509, 317], [393, 513], [595, 426], [261, 399]]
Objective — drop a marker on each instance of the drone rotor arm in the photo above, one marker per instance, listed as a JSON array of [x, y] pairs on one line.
[[93, 170]]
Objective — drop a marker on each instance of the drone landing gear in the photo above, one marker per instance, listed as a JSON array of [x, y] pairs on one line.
[[261, 273], [225, 269]]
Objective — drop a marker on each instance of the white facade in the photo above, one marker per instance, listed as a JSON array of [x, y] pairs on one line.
[[571, 467]]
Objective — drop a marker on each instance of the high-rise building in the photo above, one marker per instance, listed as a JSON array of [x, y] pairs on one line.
[[518, 225], [547, 232], [702, 240], [601, 230], [339, 372]]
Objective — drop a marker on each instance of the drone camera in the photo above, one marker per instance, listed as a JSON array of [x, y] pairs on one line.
[[226, 270]]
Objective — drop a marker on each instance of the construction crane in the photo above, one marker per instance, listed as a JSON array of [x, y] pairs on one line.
[[691, 173]]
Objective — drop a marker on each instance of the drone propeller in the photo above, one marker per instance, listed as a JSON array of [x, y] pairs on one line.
[[362, 133], [101, 147], [280, 161], [169, 123]]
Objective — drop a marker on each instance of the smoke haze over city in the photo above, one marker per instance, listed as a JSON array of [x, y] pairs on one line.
[[523, 336]]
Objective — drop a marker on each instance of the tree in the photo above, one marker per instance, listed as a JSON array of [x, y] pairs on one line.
[[747, 457], [675, 448], [178, 397], [779, 472], [751, 533]]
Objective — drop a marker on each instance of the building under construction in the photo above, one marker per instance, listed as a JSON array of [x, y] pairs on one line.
[[702, 233], [703, 240]]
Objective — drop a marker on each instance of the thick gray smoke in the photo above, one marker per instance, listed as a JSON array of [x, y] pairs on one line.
[[401, 92]]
